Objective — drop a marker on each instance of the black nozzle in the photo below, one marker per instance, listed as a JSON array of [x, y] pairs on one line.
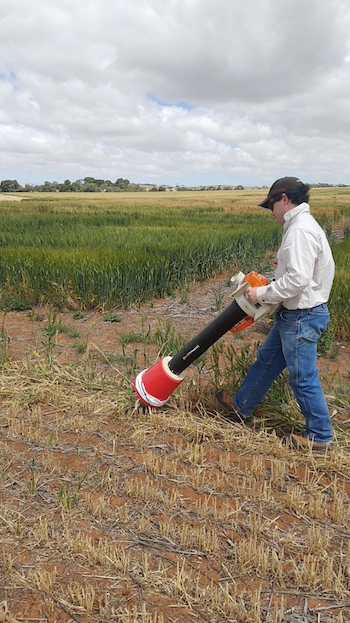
[[231, 316]]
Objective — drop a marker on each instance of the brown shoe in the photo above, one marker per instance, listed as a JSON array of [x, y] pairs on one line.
[[225, 399], [298, 442]]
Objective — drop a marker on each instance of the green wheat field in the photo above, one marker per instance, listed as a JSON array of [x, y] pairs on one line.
[[100, 251]]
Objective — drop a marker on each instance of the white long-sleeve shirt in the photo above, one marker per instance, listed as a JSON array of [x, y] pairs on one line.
[[305, 265]]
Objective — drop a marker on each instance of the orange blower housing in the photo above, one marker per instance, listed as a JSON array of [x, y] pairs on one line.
[[254, 280]]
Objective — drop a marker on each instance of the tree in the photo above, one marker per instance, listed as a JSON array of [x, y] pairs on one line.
[[66, 187], [123, 184], [91, 187], [77, 186], [8, 186]]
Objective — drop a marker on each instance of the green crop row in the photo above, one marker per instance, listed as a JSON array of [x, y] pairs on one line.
[[120, 277], [114, 254], [101, 251], [339, 303]]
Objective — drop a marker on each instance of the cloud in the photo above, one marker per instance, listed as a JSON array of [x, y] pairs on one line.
[[170, 91], [231, 50]]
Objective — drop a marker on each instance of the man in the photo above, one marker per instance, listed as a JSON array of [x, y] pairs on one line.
[[303, 280]]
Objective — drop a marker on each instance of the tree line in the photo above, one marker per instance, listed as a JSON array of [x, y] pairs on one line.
[[93, 185], [87, 184]]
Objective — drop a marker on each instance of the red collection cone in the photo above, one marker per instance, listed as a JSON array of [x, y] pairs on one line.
[[154, 385]]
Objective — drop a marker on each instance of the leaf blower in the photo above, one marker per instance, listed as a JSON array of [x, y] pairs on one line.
[[155, 385]]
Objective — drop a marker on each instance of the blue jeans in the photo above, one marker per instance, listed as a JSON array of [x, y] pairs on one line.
[[292, 344]]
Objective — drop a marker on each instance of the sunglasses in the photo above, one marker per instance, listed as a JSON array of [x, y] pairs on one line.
[[274, 200]]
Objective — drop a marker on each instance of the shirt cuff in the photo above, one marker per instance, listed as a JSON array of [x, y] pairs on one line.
[[262, 294]]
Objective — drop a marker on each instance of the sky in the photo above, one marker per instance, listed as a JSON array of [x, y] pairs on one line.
[[178, 92]]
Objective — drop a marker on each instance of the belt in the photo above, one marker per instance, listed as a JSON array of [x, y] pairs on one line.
[[302, 308]]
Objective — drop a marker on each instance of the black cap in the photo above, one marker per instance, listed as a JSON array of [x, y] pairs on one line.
[[283, 185]]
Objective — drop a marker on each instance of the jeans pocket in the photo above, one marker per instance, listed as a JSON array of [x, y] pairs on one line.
[[314, 326], [290, 316]]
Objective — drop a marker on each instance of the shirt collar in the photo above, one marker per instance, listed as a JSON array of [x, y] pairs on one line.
[[302, 207]]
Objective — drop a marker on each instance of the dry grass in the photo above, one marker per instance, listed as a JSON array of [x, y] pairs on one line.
[[9, 198], [112, 513]]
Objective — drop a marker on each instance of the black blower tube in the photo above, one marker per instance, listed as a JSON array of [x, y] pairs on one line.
[[231, 316]]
